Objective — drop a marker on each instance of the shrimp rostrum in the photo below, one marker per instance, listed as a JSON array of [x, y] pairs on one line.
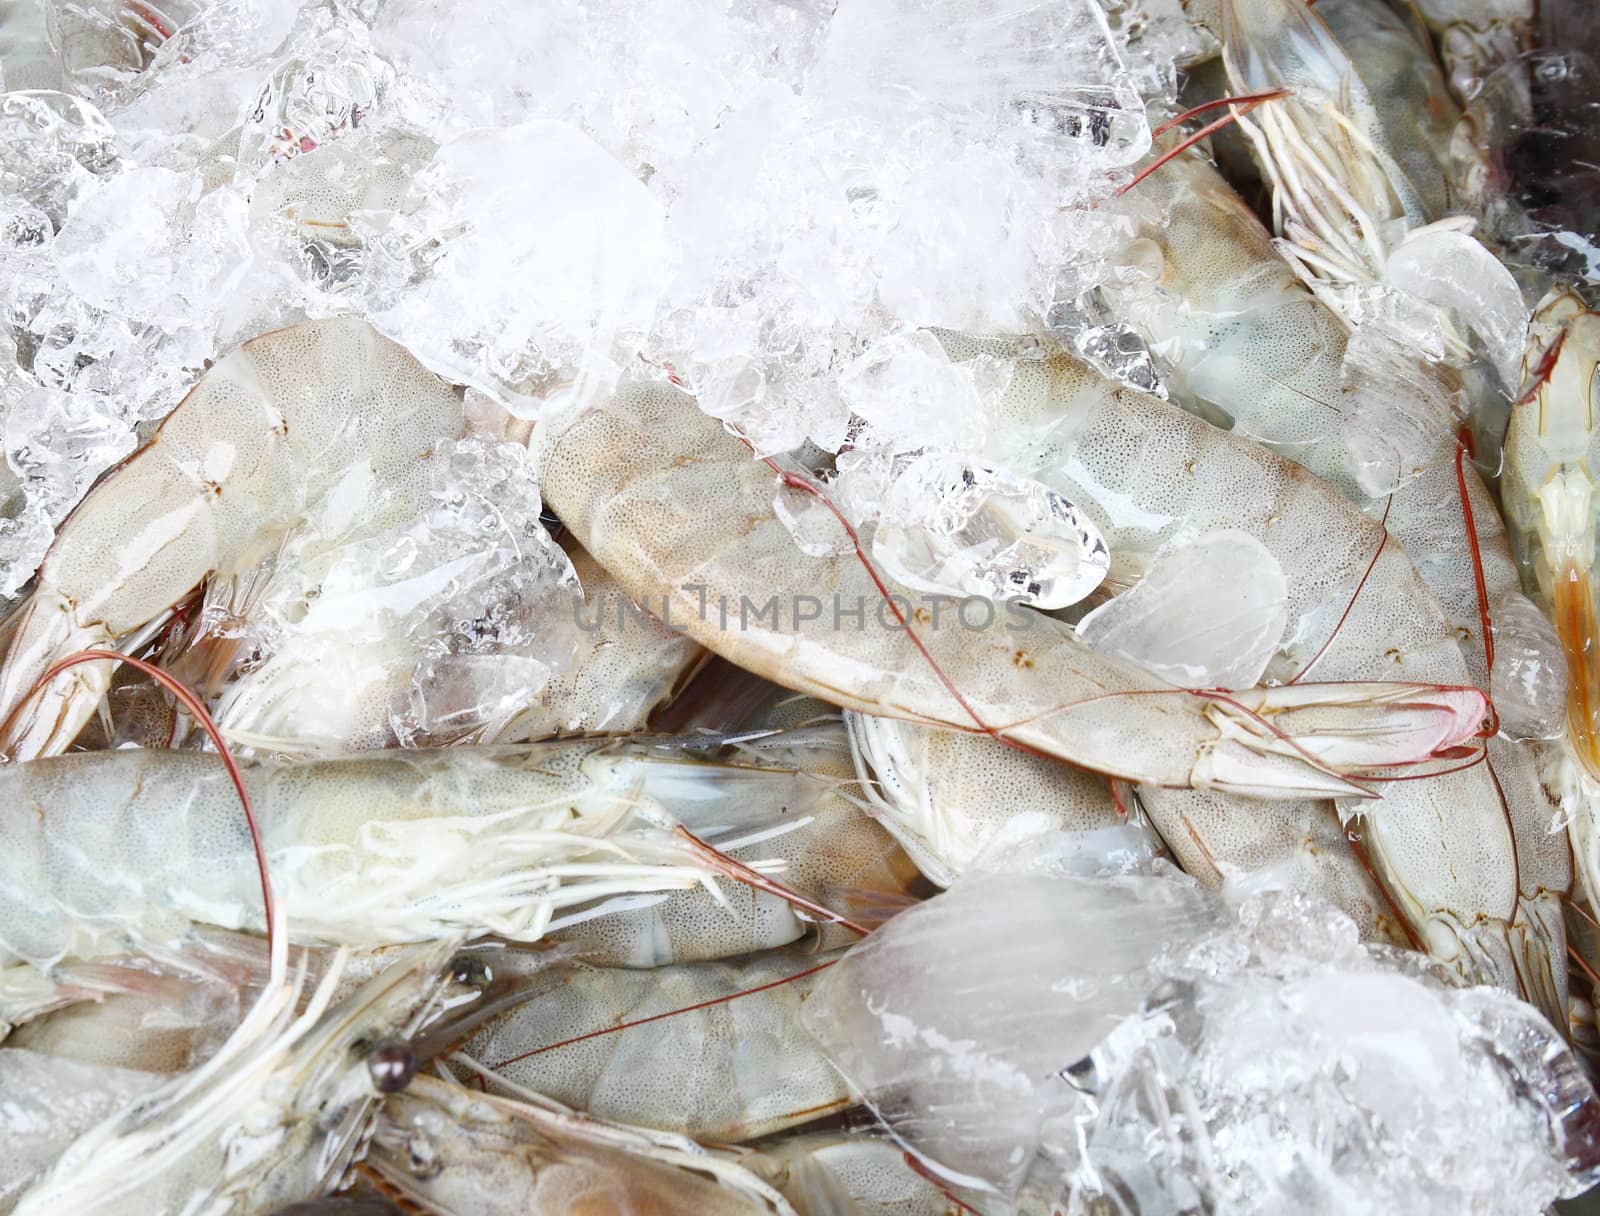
[[681, 515]]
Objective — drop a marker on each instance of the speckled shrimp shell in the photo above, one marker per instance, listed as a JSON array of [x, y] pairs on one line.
[[451, 1150], [717, 1070], [680, 514], [267, 430]]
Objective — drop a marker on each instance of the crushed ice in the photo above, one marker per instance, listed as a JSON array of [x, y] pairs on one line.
[[1135, 1044]]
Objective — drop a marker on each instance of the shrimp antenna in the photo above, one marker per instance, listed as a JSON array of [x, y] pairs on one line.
[[1238, 107], [197, 710], [1464, 449]]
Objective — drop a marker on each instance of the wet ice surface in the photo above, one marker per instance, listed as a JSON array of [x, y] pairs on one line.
[[1245, 1058], [1529, 682]]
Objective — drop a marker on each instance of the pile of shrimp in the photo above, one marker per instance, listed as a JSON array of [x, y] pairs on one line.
[[263, 952]]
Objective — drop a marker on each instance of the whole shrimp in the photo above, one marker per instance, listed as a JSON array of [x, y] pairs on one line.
[[1357, 609], [266, 431], [275, 1116], [676, 509], [446, 1149], [109, 851], [713, 1051]]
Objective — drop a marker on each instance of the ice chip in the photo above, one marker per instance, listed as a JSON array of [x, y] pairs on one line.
[[1451, 270], [526, 263], [955, 526], [953, 1020], [1209, 613], [149, 246], [52, 148], [315, 96], [1528, 684], [912, 395]]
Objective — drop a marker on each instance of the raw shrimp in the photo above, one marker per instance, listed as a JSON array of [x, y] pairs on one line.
[[676, 509], [108, 850], [707, 1067], [1146, 473], [448, 1150], [273, 1117], [266, 431]]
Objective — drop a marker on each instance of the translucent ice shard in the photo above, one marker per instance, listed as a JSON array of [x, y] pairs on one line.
[[1208, 614], [952, 525], [1451, 270], [1529, 682], [150, 246], [315, 95], [527, 264], [953, 1019], [53, 147], [913, 396]]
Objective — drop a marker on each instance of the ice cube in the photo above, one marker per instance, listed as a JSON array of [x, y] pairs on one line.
[[1451, 270], [952, 525], [1280, 1067], [1209, 613], [1529, 681], [53, 148]]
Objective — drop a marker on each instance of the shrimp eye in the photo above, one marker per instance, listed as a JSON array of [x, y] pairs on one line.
[[471, 971], [392, 1065]]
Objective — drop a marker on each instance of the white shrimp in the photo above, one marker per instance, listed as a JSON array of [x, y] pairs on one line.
[[110, 850], [676, 509], [1551, 490], [266, 431], [449, 1150]]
